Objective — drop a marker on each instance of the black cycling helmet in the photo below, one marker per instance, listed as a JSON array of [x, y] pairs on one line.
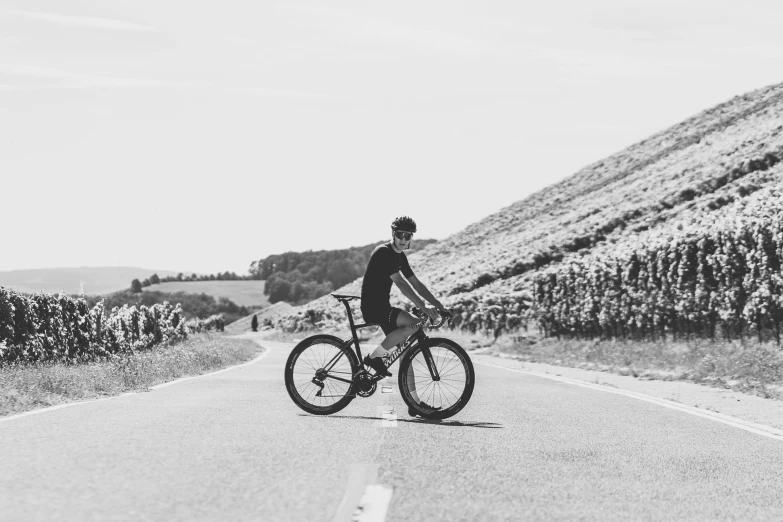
[[404, 223]]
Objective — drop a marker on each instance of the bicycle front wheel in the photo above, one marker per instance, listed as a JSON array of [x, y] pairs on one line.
[[441, 395], [319, 374]]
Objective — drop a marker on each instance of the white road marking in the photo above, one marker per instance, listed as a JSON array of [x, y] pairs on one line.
[[758, 429], [359, 477], [387, 416], [374, 504], [156, 387], [387, 389], [389, 420]]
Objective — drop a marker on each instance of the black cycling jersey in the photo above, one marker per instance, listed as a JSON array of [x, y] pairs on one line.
[[376, 287]]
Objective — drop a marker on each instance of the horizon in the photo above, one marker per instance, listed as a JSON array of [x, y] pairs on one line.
[[216, 139]]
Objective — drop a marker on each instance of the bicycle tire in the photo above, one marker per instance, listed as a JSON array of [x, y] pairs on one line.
[[312, 352], [414, 379]]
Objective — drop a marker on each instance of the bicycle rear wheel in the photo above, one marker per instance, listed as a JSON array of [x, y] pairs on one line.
[[319, 375], [446, 396]]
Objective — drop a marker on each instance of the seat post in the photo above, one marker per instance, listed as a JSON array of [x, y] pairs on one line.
[[353, 326]]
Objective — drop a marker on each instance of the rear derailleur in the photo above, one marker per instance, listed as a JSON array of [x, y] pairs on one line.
[[318, 380]]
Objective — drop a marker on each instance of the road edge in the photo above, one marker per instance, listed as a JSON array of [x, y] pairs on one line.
[[151, 388], [758, 429]]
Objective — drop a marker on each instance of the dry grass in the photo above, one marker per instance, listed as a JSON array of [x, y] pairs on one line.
[[749, 367], [26, 387]]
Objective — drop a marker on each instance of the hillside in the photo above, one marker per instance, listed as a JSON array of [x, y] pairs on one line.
[[708, 165], [243, 293], [94, 280]]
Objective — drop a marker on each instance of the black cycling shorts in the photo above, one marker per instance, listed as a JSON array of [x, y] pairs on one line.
[[383, 316]]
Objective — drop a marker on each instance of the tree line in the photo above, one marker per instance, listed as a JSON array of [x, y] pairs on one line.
[[154, 279], [299, 277]]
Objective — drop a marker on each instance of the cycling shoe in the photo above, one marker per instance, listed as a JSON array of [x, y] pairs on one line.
[[377, 365], [414, 413]]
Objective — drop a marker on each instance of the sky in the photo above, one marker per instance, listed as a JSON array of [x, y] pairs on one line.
[[201, 136]]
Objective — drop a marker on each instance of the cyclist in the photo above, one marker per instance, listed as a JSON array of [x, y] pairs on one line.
[[388, 264]]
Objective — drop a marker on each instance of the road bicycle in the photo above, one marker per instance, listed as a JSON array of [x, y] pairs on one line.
[[436, 378]]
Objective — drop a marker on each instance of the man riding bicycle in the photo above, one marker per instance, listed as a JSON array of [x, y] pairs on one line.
[[388, 264]]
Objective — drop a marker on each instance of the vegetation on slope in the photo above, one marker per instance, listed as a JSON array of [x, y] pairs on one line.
[[713, 274]]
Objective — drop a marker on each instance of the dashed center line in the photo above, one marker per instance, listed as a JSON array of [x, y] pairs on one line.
[[374, 504], [364, 500], [387, 416]]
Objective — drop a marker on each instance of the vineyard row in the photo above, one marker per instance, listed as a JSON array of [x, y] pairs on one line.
[[45, 327]]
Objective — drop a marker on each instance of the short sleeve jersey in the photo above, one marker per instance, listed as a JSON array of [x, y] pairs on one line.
[[384, 261]]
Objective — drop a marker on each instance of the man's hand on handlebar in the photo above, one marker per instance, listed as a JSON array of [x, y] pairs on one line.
[[431, 313], [439, 317], [446, 314]]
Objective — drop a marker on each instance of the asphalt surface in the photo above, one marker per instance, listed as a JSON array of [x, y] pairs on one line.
[[233, 446]]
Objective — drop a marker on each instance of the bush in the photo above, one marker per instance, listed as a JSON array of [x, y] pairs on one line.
[[45, 327], [195, 306]]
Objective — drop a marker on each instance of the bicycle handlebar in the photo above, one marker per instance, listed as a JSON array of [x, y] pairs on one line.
[[445, 318]]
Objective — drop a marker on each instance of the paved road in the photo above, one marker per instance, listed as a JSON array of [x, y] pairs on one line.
[[233, 446]]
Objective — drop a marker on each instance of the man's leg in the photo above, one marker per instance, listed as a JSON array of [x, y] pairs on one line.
[[405, 322]]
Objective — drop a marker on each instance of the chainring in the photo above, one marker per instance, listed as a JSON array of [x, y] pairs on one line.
[[366, 385]]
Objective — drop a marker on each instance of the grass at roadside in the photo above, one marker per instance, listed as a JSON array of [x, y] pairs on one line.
[[27, 387], [749, 367]]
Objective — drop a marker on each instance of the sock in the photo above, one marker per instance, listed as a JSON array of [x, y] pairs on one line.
[[380, 351]]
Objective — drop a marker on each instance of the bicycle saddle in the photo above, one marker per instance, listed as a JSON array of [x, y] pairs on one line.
[[340, 297]]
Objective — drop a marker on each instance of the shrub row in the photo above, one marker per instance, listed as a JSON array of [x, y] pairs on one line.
[[718, 277], [45, 327]]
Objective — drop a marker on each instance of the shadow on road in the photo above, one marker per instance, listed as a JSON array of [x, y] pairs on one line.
[[445, 423]]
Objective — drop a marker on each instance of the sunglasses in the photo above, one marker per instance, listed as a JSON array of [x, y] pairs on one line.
[[404, 236]]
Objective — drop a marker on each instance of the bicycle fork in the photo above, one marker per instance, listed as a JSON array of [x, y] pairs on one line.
[[431, 363]]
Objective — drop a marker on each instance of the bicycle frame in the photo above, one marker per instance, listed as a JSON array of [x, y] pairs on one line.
[[411, 342]]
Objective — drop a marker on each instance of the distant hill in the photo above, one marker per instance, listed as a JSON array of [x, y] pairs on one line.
[[709, 168], [243, 293], [93, 280]]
